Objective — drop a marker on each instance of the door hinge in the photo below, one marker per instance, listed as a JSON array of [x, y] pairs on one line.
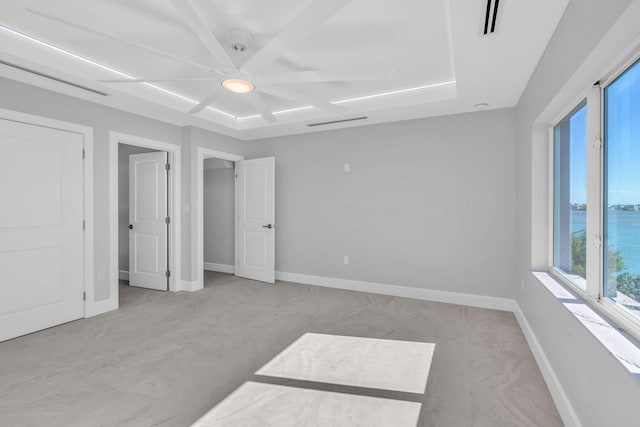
[[236, 175], [84, 225], [167, 274], [84, 296], [597, 144], [167, 166], [84, 154], [167, 220]]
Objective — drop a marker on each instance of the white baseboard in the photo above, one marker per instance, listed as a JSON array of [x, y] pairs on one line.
[[123, 275], [494, 303], [190, 285], [222, 268], [99, 307], [560, 398]]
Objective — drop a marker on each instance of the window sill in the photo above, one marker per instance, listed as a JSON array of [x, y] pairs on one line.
[[621, 345]]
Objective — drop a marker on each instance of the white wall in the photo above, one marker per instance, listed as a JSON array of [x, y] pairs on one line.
[[600, 390], [32, 100], [219, 211], [124, 151], [428, 203]]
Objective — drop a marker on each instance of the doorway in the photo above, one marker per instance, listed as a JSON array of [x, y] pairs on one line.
[[218, 219], [144, 216], [254, 225], [216, 169], [142, 212]]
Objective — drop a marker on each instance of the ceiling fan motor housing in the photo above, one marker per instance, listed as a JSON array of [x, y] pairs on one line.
[[239, 39]]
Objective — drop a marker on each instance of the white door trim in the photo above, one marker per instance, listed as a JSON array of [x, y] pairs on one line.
[[175, 201], [206, 153], [90, 307]]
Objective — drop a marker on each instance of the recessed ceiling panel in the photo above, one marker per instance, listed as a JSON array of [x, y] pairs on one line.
[[386, 55]]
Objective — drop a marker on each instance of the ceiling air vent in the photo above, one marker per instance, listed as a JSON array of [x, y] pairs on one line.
[[490, 16], [47, 76], [337, 121]]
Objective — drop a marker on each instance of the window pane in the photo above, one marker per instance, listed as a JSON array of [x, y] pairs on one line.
[[622, 191], [570, 195]]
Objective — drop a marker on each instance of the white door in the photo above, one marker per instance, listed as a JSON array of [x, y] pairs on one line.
[[148, 264], [255, 195], [41, 237]]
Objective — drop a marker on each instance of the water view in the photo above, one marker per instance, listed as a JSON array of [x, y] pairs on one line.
[[623, 233]]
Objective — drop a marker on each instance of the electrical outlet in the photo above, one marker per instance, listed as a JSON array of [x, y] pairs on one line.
[[347, 168], [346, 259]]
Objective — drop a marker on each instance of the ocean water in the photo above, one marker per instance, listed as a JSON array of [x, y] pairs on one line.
[[623, 234]]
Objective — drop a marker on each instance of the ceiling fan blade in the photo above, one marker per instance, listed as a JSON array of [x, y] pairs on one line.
[[302, 99], [258, 102], [326, 75], [116, 38], [154, 80], [298, 29], [203, 104], [199, 28]]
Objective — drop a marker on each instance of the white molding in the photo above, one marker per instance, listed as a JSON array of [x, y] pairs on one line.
[[100, 307], [90, 306], [191, 285], [559, 396], [202, 154], [222, 268], [175, 201], [123, 275], [493, 303]]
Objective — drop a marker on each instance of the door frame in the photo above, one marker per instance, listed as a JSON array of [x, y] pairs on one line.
[[174, 198], [91, 308], [202, 154]]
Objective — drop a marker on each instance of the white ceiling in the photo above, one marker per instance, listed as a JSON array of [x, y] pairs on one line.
[[434, 45]]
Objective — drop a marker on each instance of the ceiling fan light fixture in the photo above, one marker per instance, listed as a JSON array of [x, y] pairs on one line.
[[238, 86]]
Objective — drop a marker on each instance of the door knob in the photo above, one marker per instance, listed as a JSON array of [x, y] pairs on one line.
[[130, 226], [268, 226]]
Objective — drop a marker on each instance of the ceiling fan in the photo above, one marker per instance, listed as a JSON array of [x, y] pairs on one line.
[[247, 79]]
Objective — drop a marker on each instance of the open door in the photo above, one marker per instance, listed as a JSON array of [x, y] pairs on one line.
[[255, 196], [148, 221]]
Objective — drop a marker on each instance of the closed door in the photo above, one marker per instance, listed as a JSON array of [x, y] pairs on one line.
[[255, 192], [41, 228], [148, 221]]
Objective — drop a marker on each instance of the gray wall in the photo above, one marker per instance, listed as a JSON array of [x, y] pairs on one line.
[[600, 390], [428, 203], [124, 151], [219, 209], [33, 100]]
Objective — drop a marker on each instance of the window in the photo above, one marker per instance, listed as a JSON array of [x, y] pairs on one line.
[[570, 195], [621, 207], [596, 197]]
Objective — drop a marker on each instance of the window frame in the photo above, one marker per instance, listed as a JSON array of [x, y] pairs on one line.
[[593, 292], [576, 282]]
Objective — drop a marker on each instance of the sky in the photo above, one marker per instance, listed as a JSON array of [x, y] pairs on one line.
[[622, 143]]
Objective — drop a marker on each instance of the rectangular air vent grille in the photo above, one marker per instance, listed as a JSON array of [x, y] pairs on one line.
[[337, 121], [47, 76], [491, 16]]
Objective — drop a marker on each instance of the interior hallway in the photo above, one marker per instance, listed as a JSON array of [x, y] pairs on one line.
[[165, 359]]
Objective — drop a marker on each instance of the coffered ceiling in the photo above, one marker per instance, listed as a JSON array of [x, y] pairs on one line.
[[310, 61]]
